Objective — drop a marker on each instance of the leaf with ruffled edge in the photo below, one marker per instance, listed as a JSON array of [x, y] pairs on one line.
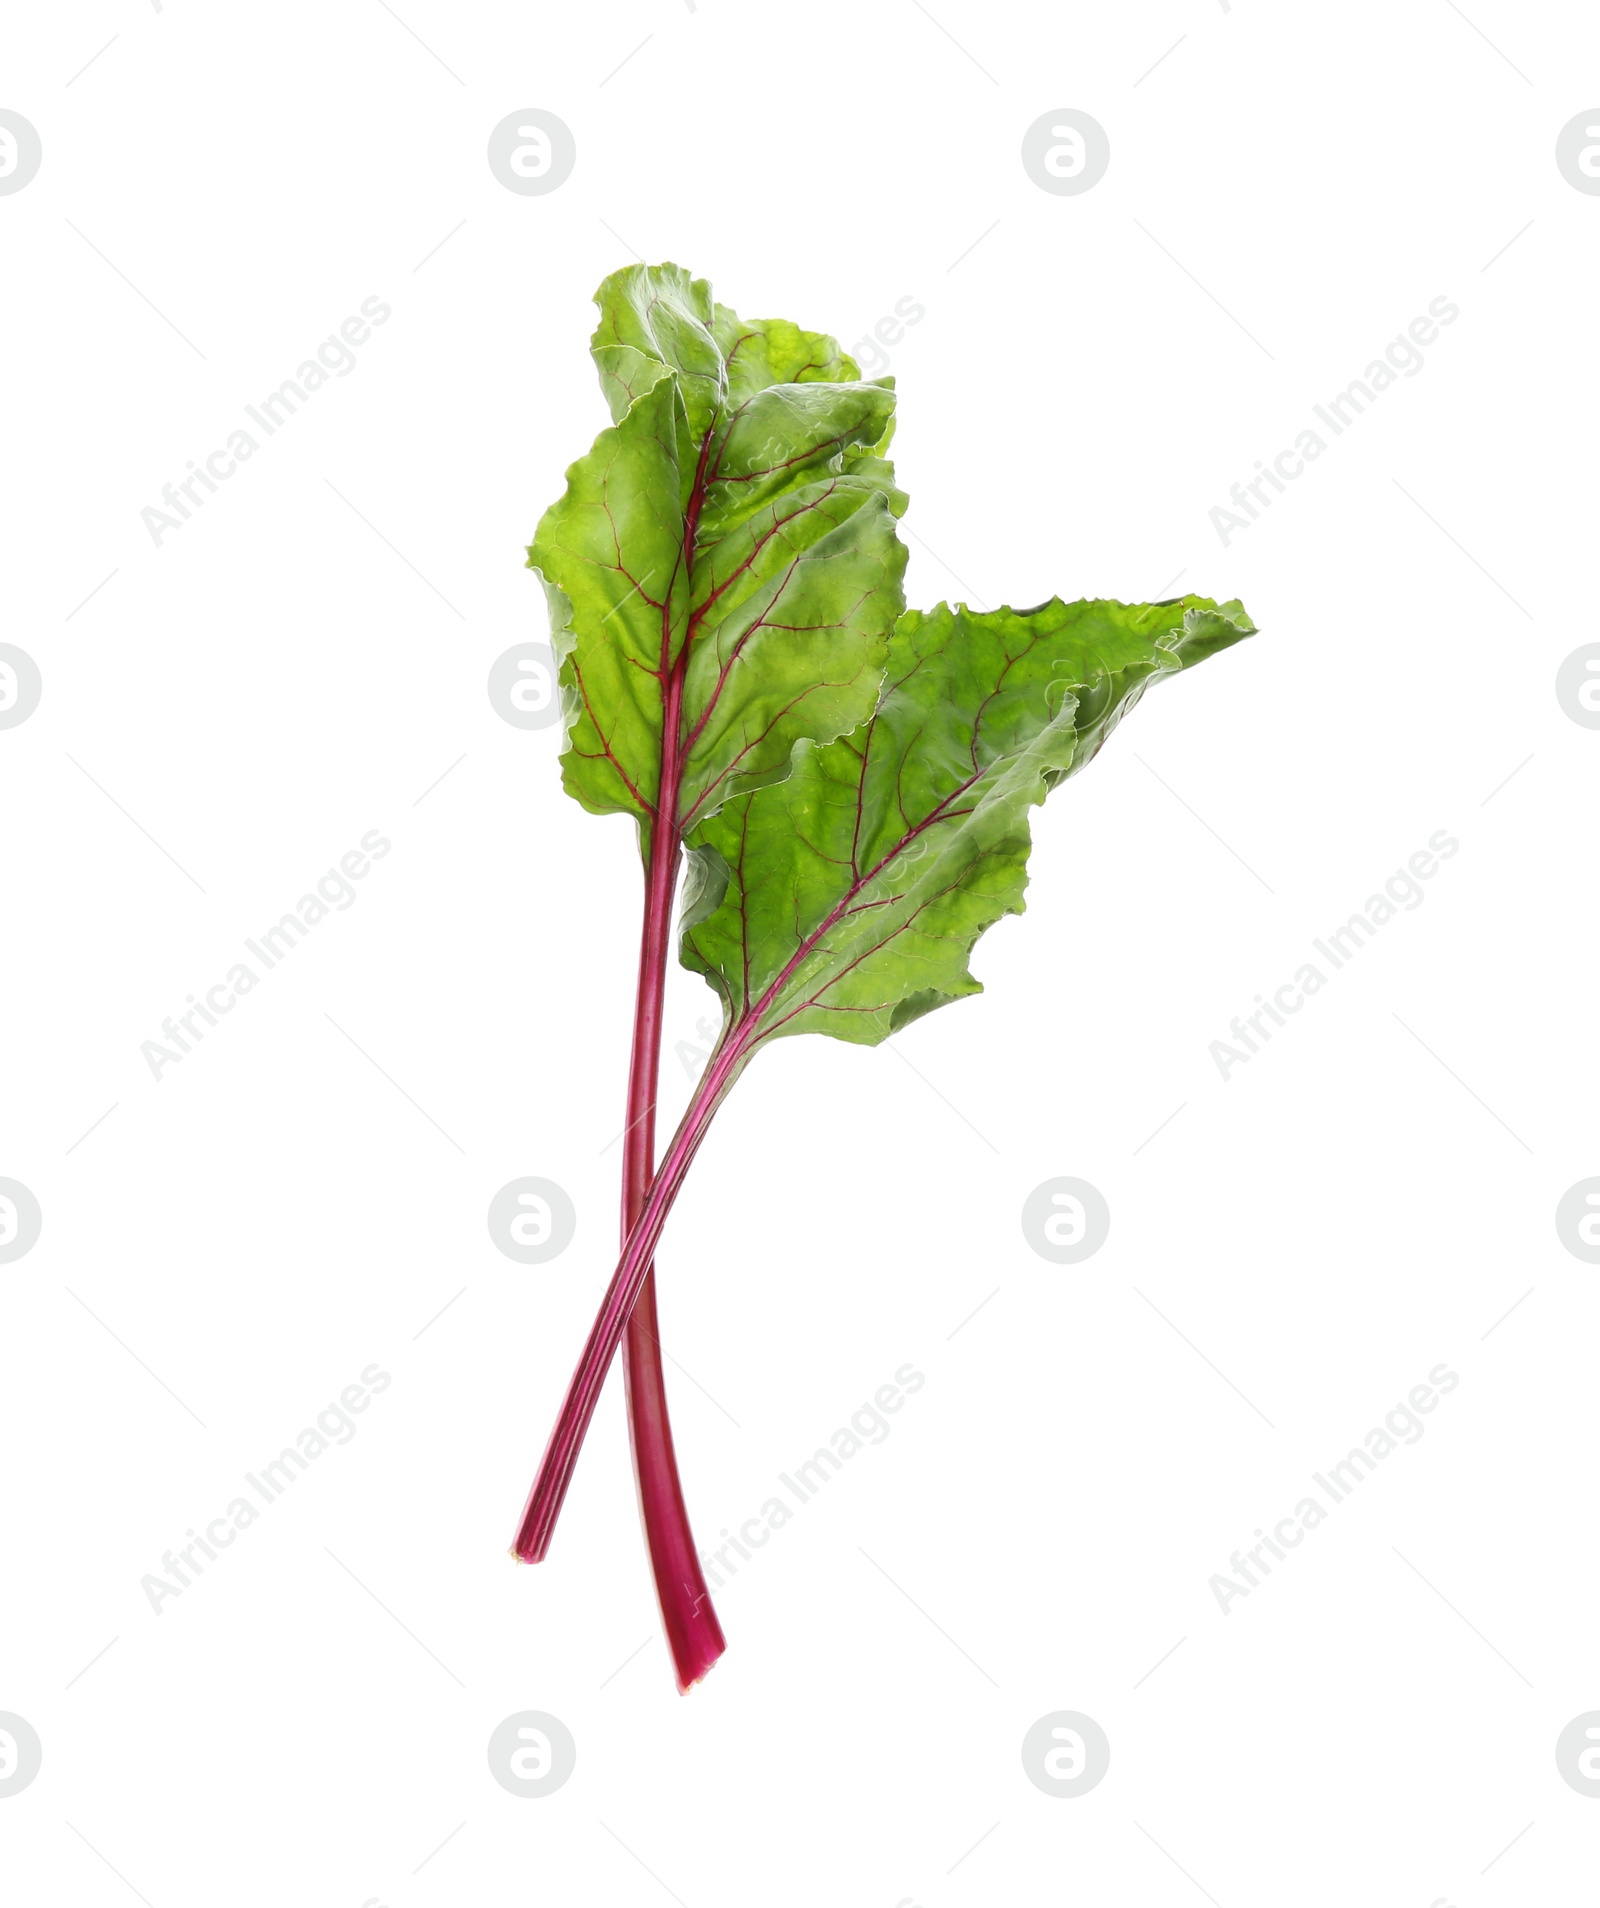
[[846, 899], [723, 569]]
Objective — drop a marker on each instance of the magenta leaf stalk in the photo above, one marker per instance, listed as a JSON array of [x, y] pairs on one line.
[[694, 1635], [633, 1268]]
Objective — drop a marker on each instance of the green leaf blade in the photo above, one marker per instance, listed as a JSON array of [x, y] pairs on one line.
[[846, 899], [728, 543], [764, 351], [610, 553], [658, 321]]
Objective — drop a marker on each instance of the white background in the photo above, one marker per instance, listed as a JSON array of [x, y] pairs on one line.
[[1365, 1198]]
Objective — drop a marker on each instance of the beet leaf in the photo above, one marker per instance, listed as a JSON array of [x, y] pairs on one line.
[[851, 785], [846, 899], [722, 572]]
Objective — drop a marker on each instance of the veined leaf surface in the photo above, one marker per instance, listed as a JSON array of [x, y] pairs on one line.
[[723, 568], [846, 899]]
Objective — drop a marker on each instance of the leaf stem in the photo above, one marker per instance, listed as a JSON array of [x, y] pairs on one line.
[[633, 1268], [693, 1632]]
